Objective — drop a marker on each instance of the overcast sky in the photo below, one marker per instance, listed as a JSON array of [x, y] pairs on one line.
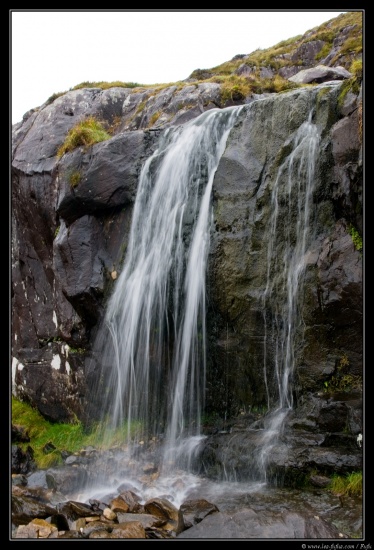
[[53, 51]]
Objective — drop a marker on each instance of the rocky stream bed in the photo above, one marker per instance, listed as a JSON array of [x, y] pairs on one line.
[[110, 495]]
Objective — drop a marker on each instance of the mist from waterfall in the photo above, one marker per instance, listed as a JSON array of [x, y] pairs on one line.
[[154, 335]]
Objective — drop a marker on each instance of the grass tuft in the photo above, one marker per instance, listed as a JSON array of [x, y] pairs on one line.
[[86, 132], [349, 485], [106, 85]]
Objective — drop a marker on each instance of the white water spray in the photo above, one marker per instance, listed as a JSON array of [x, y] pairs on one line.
[[155, 319]]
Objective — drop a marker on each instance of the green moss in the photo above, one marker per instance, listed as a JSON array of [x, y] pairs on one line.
[[356, 238], [342, 380], [41, 432], [64, 437]]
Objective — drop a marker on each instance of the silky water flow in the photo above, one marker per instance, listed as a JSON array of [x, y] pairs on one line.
[[153, 336], [289, 237]]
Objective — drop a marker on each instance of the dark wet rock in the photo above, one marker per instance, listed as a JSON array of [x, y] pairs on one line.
[[160, 519], [19, 434], [248, 524], [320, 481], [314, 439], [164, 509], [65, 479], [95, 528], [108, 177], [49, 448], [80, 509], [195, 511], [132, 500], [119, 506], [36, 384], [71, 534], [28, 504], [22, 460], [147, 520], [129, 530], [330, 421]]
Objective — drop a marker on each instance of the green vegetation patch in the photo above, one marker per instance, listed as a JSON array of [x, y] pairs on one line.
[[154, 118], [86, 132], [74, 178], [324, 52], [54, 96], [348, 485], [202, 74], [343, 380], [353, 44], [234, 88], [106, 85], [64, 437], [356, 238], [237, 88], [61, 436], [350, 85], [356, 68]]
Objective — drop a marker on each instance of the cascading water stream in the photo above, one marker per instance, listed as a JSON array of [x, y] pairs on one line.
[[289, 234], [154, 337], [154, 327]]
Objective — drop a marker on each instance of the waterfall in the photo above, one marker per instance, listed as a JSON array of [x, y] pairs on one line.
[[153, 336], [290, 232]]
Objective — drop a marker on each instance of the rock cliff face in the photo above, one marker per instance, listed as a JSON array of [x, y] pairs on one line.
[[69, 241], [332, 305]]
